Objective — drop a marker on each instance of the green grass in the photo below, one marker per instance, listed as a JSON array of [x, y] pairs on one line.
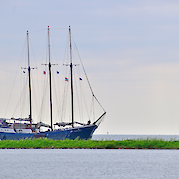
[[88, 144]]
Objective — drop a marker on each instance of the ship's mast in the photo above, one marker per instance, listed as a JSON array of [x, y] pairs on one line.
[[29, 69], [50, 81], [71, 70]]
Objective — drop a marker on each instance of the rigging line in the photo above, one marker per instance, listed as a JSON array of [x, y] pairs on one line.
[[15, 77], [81, 102], [59, 28], [99, 103], [34, 95], [37, 89], [45, 51], [59, 109], [44, 54], [23, 85], [42, 92], [59, 95], [91, 109], [63, 101], [84, 99], [88, 79], [61, 86], [52, 44], [37, 31], [55, 89], [36, 75], [66, 54], [43, 96], [66, 101], [77, 97], [33, 52], [21, 95], [54, 82], [65, 96], [24, 101], [45, 30], [85, 72], [45, 82]]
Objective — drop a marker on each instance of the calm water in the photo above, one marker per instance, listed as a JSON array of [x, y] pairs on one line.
[[124, 137], [88, 164]]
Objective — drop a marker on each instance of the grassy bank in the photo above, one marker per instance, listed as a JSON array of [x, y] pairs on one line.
[[88, 144]]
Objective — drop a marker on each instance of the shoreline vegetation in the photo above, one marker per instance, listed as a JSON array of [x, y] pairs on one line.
[[44, 143]]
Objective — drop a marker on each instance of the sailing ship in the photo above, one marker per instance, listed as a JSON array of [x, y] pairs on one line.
[[21, 128]]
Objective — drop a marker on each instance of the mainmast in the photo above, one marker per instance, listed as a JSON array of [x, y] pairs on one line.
[[29, 69], [50, 81], [71, 70]]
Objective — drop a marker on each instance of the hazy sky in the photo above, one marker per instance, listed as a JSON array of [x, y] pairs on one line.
[[131, 48]]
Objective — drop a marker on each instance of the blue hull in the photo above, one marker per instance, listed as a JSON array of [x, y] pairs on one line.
[[84, 132]]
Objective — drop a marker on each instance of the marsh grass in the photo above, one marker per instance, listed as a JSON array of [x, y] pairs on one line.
[[89, 144]]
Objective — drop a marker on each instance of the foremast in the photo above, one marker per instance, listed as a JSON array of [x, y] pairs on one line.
[[29, 69], [50, 80], [29, 79], [29, 74], [71, 70]]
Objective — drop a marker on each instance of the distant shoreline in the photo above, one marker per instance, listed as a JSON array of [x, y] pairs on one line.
[[89, 144]]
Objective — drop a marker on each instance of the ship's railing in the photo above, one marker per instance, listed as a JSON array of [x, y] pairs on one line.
[[15, 119]]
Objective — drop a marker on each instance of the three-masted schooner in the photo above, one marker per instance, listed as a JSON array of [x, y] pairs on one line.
[[21, 128]]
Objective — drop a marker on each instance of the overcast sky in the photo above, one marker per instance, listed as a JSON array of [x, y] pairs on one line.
[[131, 48]]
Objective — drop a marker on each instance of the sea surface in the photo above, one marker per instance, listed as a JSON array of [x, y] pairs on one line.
[[124, 137], [90, 163]]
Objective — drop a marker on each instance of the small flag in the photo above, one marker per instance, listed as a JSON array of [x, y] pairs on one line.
[[66, 79], [80, 78], [23, 71], [44, 72], [57, 72]]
